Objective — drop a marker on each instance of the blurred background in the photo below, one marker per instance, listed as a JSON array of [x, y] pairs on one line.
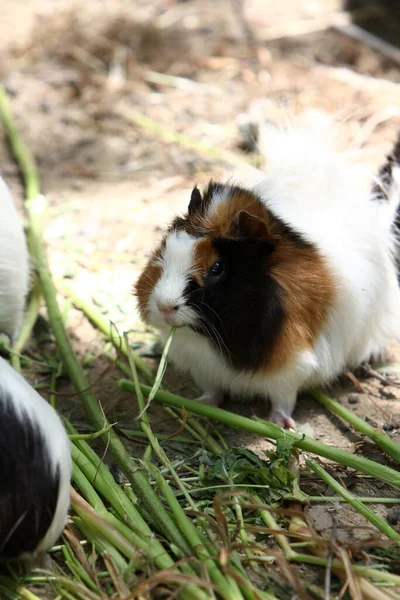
[[128, 104]]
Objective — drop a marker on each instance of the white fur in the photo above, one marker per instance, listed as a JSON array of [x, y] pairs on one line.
[[14, 265], [28, 404], [176, 262], [326, 197]]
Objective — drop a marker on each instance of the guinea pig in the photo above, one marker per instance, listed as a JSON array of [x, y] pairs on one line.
[[35, 467], [14, 265], [279, 286]]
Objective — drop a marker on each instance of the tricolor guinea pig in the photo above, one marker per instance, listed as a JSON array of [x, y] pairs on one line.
[[279, 285], [14, 265], [35, 467]]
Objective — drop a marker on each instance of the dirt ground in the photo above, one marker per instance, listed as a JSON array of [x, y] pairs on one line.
[[75, 76]]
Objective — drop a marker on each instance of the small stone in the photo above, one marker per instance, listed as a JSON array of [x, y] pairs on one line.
[[394, 515], [388, 426], [353, 399]]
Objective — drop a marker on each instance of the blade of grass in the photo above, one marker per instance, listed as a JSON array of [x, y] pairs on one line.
[[380, 438], [268, 430], [160, 371], [373, 518], [145, 422]]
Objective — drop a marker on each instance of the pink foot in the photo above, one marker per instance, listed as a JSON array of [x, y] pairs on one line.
[[281, 419]]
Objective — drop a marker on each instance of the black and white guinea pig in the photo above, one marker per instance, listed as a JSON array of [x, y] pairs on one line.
[[278, 286], [14, 265], [35, 459], [35, 467]]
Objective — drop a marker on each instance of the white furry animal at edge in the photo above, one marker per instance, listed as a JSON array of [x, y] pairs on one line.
[[14, 265], [28, 404], [326, 197]]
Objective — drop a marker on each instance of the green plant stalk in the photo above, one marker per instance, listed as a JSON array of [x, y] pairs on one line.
[[269, 520], [77, 569], [100, 476], [35, 206], [366, 512], [27, 595], [30, 318], [380, 438], [98, 320], [199, 432], [162, 437], [139, 533], [100, 526], [98, 472], [227, 588], [185, 141], [268, 430], [145, 422], [23, 156], [364, 499], [193, 427], [103, 523], [101, 544]]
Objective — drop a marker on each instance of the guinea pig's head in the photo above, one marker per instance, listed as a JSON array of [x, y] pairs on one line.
[[218, 271]]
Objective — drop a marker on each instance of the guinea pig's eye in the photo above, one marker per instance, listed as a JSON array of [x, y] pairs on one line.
[[217, 268]]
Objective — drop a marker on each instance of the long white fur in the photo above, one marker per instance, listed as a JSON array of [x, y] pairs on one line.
[[326, 197], [28, 404], [14, 265]]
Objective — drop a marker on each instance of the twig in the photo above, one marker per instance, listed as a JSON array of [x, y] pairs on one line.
[[369, 39], [366, 83], [306, 26]]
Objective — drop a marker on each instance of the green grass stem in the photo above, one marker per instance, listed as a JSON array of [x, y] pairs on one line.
[[227, 588], [372, 517], [380, 438], [30, 318], [271, 431]]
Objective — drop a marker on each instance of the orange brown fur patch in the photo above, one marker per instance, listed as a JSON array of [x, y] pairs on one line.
[[147, 281], [220, 222], [204, 257], [309, 290]]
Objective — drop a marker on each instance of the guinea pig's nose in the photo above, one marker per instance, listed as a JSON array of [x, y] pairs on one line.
[[167, 308]]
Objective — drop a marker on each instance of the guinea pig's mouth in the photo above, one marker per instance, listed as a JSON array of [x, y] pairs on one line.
[[180, 315]]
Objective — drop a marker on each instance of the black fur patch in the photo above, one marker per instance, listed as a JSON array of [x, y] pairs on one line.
[[242, 311], [28, 489]]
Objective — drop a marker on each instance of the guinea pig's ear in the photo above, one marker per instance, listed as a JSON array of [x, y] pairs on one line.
[[195, 201], [247, 225]]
